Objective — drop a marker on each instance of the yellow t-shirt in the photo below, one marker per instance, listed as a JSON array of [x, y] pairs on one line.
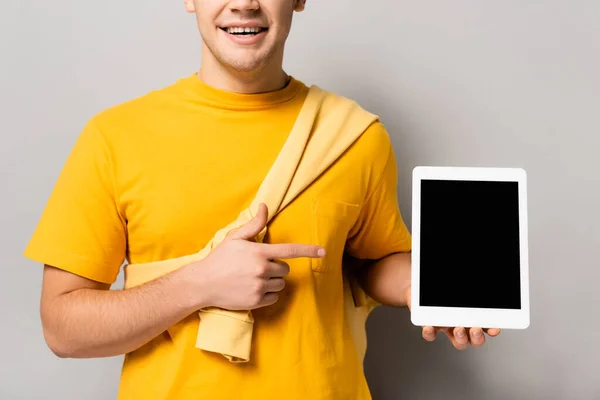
[[155, 177]]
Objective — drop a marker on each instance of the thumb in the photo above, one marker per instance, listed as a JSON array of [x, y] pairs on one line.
[[253, 227]]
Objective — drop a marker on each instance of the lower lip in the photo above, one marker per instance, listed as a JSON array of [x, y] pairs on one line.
[[246, 39]]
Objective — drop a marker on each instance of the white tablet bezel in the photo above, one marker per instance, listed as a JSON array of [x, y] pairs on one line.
[[470, 317]]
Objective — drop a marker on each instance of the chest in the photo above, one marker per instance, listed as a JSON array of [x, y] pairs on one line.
[[174, 208]]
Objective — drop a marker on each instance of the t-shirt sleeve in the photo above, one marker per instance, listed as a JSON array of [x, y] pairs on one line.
[[380, 229], [81, 229]]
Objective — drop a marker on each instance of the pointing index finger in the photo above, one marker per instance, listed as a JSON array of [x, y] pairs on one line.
[[292, 250]]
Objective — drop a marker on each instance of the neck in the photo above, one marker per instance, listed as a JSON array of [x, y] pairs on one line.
[[269, 78]]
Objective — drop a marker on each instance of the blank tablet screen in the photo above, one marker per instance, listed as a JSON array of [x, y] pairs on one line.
[[469, 244]]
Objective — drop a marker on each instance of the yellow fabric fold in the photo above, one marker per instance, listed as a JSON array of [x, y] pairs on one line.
[[226, 333], [326, 126]]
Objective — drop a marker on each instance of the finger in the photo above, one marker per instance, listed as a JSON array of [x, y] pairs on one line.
[[476, 337], [492, 331], [278, 269], [292, 250], [461, 340], [450, 334], [253, 227], [268, 299], [429, 333], [274, 285]]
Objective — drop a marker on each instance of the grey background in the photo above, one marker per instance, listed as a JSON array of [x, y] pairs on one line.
[[463, 82]]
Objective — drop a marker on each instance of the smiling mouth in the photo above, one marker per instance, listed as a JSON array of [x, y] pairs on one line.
[[240, 31]]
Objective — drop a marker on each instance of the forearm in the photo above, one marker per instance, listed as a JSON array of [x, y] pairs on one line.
[[101, 323], [388, 279]]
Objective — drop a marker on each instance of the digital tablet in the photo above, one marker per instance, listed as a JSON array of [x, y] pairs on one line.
[[470, 248]]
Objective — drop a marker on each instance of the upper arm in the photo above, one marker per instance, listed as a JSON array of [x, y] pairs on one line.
[[81, 231], [380, 229], [57, 282]]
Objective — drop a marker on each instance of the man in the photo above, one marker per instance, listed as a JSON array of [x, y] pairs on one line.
[[154, 179]]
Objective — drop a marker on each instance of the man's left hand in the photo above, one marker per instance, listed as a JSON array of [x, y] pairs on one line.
[[460, 337]]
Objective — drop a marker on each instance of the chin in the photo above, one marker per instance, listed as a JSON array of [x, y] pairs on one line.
[[244, 65]]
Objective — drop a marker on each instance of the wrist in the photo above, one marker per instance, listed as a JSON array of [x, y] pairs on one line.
[[190, 287]]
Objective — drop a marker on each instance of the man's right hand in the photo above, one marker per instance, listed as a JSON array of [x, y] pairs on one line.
[[240, 274], [83, 318]]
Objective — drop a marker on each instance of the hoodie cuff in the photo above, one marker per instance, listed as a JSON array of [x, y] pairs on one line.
[[226, 332]]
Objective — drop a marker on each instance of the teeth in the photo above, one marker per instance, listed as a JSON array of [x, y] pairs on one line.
[[238, 30]]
